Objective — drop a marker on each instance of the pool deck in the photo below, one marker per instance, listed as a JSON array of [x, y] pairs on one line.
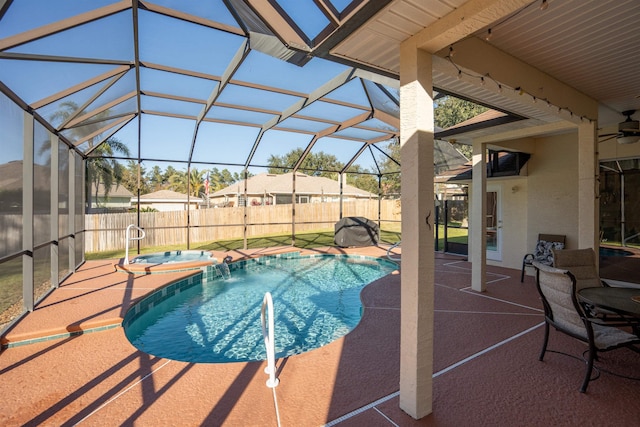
[[486, 368]]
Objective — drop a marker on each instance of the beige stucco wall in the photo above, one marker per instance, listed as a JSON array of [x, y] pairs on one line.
[[552, 201], [543, 201], [610, 150]]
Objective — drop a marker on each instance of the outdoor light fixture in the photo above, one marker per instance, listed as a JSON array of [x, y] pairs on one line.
[[544, 5], [489, 34]]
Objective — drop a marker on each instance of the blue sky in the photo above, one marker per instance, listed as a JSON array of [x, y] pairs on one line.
[[183, 46]]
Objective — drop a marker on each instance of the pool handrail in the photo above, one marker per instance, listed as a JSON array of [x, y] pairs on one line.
[[392, 247], [128, 238], [267, 307]]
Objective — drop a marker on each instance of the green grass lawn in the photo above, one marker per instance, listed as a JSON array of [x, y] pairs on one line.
[[303, 241]]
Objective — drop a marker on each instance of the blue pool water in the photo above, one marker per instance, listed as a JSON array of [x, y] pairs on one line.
[[172, 257], [316, 301], [614, 252]]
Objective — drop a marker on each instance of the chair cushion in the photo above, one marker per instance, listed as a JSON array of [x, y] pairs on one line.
[[607, 336], [543, 252], [582, 264]]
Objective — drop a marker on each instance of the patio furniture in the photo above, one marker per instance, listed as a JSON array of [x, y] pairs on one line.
[[602, 302], [557, 288], [581, 263], [543, 251]]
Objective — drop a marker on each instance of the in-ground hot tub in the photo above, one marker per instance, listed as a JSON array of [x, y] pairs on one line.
[[162, 262]]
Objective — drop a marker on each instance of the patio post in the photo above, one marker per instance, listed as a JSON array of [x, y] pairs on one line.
[[418, 220], [588, 186], [477, 218]]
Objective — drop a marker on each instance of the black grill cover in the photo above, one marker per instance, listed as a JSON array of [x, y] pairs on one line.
[[356, 231]]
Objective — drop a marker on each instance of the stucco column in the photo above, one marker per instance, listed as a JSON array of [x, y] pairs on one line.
[[417, 272], [588, 172], [477, 218]]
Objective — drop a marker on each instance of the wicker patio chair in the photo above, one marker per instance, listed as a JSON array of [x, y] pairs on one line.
[[557, 288], [543, 251]]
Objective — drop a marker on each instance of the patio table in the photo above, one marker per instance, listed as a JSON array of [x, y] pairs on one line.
[[602, 302]]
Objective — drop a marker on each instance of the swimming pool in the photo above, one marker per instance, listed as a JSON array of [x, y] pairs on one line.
[[168, 261], [316, 301], [607, 251]]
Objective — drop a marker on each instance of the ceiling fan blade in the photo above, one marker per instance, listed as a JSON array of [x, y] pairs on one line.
[[607, 137]]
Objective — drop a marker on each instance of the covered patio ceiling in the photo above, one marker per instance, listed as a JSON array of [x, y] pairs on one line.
[[588, 45]]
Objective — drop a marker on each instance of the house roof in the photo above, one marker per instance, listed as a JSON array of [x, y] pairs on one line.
[[505, 164], [115, 191], [11, 176], [267, 183], [168, 196]]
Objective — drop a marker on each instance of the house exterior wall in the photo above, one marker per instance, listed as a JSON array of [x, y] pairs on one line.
[[611, 150], [553, 189], [280, 199], [111, 202], [544, 201], [168, 206]]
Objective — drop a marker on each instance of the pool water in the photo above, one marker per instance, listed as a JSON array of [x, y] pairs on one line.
[[172, 257], [316, 301], [614, 252]]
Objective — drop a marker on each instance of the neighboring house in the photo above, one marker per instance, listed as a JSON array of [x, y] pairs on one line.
[[277, 189], [118, 199], [167, 200]]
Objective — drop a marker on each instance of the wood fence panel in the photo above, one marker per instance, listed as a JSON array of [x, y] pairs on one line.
[[106, 232]]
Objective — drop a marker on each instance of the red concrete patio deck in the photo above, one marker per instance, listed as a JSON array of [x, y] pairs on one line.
[[486, 368]]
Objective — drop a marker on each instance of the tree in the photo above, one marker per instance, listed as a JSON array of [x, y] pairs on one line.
[[102, 169], [156, 179], [130, 178], [180, 180], [390, 168], [360, 178], [449, 111], [219, 179], [314, 164]]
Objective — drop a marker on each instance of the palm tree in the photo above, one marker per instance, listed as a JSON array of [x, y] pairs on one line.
[[178, 182], [100, 169]]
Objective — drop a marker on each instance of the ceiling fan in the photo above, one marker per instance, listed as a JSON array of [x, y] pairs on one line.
[[628, 131]]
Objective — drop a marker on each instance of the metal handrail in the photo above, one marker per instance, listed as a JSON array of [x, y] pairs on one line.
[[267, 306], [128, 238], [392, 247]]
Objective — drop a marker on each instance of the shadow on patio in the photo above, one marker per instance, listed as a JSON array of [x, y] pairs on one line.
[[486, 365]]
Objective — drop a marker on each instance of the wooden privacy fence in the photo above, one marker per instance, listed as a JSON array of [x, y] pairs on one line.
[[106, 232]]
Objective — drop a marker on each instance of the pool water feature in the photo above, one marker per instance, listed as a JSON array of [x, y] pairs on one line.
[[316, 301], [168, 261]]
